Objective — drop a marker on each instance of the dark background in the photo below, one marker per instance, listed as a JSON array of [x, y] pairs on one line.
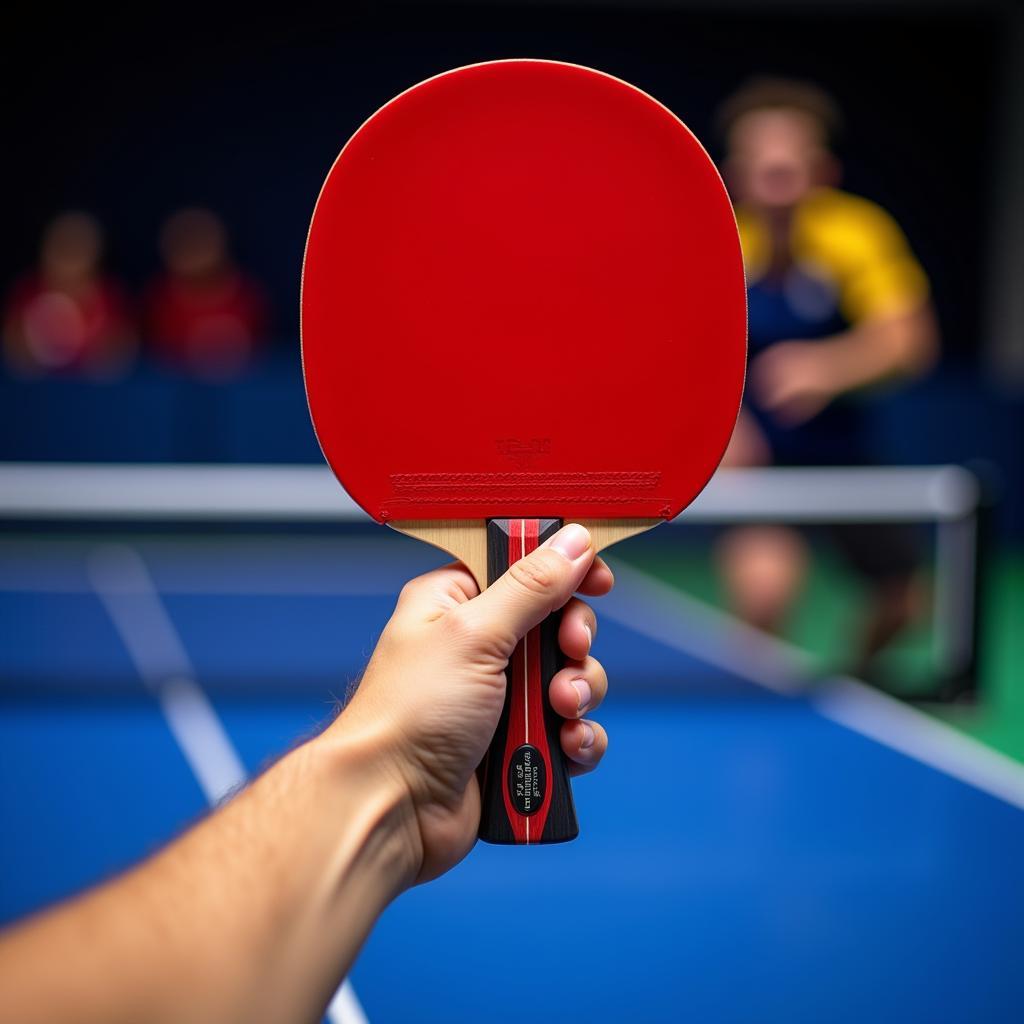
[[132, 116]]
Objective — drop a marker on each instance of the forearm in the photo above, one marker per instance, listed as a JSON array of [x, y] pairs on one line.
[[877, 350], [253, 915]]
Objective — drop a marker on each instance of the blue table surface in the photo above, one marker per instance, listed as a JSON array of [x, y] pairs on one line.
[[742, 857]]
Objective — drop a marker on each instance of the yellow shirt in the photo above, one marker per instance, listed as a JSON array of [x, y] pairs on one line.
[[851, 243]]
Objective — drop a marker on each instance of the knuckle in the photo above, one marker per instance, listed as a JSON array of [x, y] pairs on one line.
[[474, 636], [583, 614], [536, 574], [459, 628]]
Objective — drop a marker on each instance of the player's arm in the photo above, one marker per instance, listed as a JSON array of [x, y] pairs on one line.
[[901, 343], [257, 912], [893, 332], [795, 380], [240, 918]]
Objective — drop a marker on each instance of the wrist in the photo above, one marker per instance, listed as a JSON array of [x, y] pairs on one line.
[[380, 815]]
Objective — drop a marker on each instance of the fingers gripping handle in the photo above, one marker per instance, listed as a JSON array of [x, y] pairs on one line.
[[525, 793]]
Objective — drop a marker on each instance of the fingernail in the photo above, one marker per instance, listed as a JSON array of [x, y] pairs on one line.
[[588, 737], [582, 688], [571, 541], [590, 635]]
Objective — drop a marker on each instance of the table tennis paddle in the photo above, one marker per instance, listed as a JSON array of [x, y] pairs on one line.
[[523, 304]]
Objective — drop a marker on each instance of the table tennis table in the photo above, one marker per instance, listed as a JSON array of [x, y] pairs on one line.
[[756, 846]]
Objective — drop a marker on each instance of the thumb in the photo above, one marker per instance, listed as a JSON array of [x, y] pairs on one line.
[[534, 586]]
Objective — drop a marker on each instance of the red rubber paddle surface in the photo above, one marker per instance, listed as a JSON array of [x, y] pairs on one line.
[[523, 295]]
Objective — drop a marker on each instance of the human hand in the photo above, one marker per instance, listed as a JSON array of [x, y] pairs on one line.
[[434, 689], [793, 381]]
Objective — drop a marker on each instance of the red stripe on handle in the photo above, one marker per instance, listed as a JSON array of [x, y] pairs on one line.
[[526, 701]]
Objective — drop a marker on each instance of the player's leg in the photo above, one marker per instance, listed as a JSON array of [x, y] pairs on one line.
[[887, 558], [894, 604]]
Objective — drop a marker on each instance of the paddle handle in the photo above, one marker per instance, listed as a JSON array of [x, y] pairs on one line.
[[524, 780]]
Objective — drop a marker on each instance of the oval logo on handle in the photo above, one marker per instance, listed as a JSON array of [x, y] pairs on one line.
[[527, 779]]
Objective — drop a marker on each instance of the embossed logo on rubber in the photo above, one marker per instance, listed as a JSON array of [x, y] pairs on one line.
[[523, 452]]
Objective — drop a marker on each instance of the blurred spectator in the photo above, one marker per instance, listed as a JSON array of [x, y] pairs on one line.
[[203, 314], [67, 316], [837, 303]]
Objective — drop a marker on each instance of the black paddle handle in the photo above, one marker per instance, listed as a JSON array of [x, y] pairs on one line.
[[524, 781]]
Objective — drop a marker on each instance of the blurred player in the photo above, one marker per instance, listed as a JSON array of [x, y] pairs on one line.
[[67, 316], [203, 314], [837, 303]]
